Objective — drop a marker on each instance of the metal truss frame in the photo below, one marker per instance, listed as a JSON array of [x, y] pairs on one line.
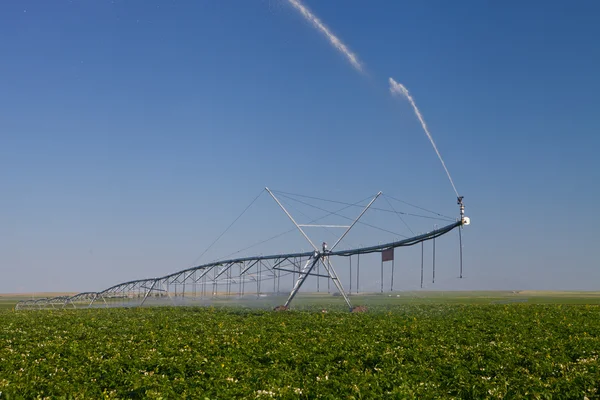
[[235, 278], [320, 256]]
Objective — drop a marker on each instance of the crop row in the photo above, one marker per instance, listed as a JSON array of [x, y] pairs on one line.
[[420, 351]]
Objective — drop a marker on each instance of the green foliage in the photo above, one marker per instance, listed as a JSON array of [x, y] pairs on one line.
[[412, 351], [7, 304]]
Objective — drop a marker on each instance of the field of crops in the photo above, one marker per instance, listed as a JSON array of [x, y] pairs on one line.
[[406, 351]]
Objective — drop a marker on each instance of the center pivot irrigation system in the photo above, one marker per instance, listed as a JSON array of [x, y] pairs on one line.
[[246, 277]]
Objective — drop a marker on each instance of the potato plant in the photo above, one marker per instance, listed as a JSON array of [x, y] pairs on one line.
[[409, 352]]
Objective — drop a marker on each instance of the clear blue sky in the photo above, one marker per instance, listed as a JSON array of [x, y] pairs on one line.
[[133, 132]]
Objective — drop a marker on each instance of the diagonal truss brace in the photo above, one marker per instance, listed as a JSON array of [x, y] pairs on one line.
[[292, 219], [320, 256]]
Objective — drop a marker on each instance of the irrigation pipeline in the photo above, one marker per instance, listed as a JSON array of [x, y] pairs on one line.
[[401, 243], [145, 286]]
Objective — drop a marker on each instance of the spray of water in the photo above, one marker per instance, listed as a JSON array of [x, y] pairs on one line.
[[399, 89], [395, 87], [334, 40]]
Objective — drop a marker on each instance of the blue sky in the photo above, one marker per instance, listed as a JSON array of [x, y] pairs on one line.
[[133, 132]]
